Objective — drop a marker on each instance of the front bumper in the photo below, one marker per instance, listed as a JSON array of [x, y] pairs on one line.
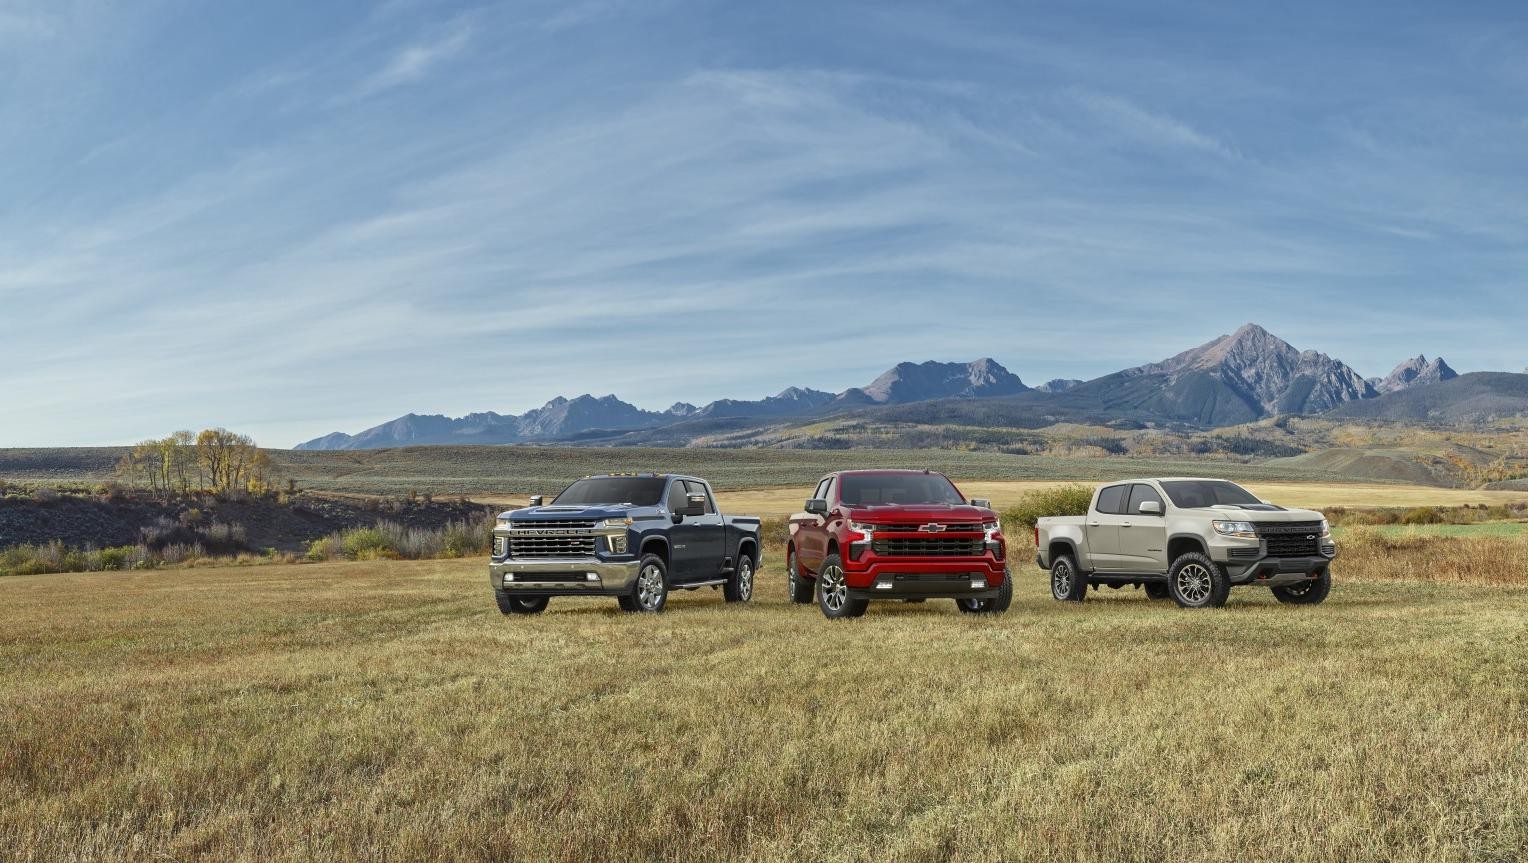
[[965, 585], [581, 577], [1278, 571]]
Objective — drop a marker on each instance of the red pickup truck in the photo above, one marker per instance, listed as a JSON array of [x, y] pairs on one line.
[[896, 534]]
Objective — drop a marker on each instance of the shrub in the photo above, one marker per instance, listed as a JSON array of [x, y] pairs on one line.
[[364, 543], [1043, 503], [1422, 515]]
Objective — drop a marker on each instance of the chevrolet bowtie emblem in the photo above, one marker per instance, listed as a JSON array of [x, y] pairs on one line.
[[933, 528]]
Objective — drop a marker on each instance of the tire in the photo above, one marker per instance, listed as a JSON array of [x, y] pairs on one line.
[[511, 604], [996, 605], [649, 593], [833, 593], [1068, 584], [1310, 593], [739, 586], [800, 588], [1195, 581], [1157, 590]]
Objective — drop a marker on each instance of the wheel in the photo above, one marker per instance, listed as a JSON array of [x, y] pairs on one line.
[[650, 592], [833, 592], [511, 604], [1312, 592], [739, 587], [1157, 590], [996, 605], [1195, 581], [800, 588], [1067, 584]]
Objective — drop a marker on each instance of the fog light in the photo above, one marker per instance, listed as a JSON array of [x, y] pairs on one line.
[[591, 576], [978, 584], [883, 585], [508, 578]]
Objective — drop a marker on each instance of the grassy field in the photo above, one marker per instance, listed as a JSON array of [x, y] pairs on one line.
[[386, 711], [1317, 495], [507, 471]]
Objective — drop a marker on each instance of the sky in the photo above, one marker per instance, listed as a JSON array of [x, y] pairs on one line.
[[292, 218]]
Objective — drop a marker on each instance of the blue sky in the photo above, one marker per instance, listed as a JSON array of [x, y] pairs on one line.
[[291, 218]]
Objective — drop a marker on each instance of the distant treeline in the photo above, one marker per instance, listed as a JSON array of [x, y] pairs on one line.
[[215, 459]]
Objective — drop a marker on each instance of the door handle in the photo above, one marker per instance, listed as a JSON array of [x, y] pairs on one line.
[[1094, 524], [1125, 524]]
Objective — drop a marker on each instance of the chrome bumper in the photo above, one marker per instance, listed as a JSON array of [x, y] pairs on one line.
[[609, 578]]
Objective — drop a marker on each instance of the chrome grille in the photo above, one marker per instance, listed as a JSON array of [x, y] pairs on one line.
[[954, 546], [561, 539], [555, 547]]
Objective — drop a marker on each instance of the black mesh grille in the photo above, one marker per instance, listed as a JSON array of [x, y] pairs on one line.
[[1292, 539], [553, 577], [920, 547], [1253, 553]]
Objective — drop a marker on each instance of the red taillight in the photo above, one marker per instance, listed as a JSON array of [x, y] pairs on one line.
[[1037, 536]]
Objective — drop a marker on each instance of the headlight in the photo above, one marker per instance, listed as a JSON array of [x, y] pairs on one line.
[[991, 526], [1326, 529], [503, 522], [500, 546], [623, 521], [862, 528], [1242, 529]]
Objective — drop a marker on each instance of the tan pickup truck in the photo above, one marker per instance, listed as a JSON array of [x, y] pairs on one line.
[[1189, 539]]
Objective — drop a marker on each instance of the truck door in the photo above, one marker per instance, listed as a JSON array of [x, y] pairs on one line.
[[1104, 527], [682, 536], [1143, 538], [812, 536], [708, 547]]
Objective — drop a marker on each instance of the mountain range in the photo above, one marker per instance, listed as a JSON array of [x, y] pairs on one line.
[[1238, 378]]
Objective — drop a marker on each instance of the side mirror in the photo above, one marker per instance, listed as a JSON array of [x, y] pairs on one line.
[[1151, 507], [537, 500], [981, 503], [695, 504], [817, 506]]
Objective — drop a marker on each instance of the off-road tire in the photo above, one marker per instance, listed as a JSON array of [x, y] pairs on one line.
[[511, 604], [1068, 583], [739, 586], [649, 593], [1157, 590], [994, 605], [800, 588], [1195, 581], [833, 592], [1310, 593]]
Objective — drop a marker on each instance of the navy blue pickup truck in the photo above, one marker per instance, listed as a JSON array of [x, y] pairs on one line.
[[631, 536]]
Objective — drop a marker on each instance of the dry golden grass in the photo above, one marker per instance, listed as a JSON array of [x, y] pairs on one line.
[[386, 711], [1003, 494]]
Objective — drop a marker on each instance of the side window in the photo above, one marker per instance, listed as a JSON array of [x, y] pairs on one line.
[[822, 490], [700, 488], [1139, 494], [676, 496], [830, 490], [1111, 501]]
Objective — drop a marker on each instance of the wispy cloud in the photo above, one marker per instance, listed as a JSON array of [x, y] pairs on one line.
[[413, 62]]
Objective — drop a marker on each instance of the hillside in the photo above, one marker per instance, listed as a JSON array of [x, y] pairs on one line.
[[1472, 398], [523, 469]]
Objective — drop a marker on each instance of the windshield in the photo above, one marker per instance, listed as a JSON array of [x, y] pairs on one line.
[[1194, 494], [635, 490], [889, 489]]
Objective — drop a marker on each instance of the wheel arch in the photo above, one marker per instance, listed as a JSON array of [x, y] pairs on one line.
[[1180, 544], [655, 545]]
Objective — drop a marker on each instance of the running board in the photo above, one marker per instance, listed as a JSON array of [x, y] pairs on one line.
[[699, 584]]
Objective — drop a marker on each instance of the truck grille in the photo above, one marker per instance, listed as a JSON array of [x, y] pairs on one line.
[[551, 546], [920, 547], [532, 540], [1292, 539]]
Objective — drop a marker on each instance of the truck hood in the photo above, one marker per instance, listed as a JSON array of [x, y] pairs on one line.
[[579, 513], [1261, 514], [920, 514]]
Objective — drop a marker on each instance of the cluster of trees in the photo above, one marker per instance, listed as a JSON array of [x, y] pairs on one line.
[[215, 459]]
